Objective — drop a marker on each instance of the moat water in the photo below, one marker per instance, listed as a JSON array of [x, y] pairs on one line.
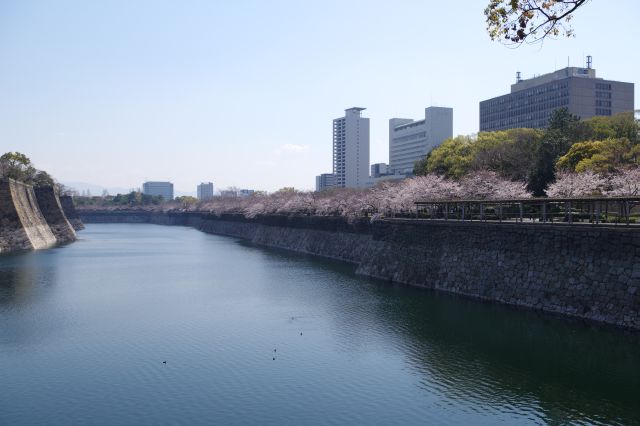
[[266, 337]]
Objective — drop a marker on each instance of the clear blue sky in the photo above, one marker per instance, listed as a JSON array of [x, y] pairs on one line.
[[242, 93]]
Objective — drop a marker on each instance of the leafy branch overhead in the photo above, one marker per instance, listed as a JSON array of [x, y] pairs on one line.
[[517, 21]]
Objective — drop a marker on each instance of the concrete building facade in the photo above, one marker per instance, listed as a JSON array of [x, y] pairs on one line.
[[325, 181], [411, 140], [531, 102], [163, 189], [379, 169], [351, 149], [205, 191]]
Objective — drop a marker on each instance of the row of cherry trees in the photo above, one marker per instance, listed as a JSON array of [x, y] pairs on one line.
[[623, 183], [388, 198], [393, 198]]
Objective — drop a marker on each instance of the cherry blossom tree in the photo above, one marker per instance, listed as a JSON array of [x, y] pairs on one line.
[[583, 184], [487, 185], [625, 183]]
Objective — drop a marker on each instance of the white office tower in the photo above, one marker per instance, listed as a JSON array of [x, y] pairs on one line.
[[411, 141], [351, 149], [205, 191]]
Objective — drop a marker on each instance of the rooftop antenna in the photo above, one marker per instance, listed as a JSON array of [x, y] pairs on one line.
[[518, 78], [589, 61]]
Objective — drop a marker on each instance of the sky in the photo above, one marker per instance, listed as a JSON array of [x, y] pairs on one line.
[[243, 93]]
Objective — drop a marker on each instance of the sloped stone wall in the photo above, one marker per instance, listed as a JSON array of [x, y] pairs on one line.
[[23, 227], [70, 212], [51, 209]]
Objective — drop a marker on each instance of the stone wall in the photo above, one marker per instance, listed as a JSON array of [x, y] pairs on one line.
[[70, 212], [590, 272], [51, 209], [22, 225]]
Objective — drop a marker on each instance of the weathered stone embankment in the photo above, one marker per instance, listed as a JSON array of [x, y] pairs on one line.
[[30, 219], [69, 210], [51, 209], [581, 271]]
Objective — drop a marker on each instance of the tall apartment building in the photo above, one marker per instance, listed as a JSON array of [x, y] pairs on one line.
[[411, 140], [531, 102], [325, 181], [351, 149], [163, 189], [205, 191]]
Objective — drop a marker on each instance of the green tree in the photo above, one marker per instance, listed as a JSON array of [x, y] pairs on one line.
[[604, 156], [510, 153], [186, 201], [453, 158], [563, 131], [43, 178], [517, 21], [15, 165], [622, 125]]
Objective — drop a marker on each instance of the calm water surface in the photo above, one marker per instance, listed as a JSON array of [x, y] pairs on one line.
[[85, 328]]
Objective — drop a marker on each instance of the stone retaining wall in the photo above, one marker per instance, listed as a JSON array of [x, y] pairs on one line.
[[22, 225], [51, 209], [70, 212]]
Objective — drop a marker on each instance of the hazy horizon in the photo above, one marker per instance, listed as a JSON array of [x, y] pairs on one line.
[[243, 94]]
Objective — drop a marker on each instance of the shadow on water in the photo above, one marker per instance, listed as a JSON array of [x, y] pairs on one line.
[[499, 356], [17, 278], [24, 275]]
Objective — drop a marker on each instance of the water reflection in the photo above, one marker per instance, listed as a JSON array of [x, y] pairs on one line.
[[539, 366], [17, 279]]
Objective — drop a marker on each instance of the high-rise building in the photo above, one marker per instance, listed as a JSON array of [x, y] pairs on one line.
[[163, 189], [205, 191], [411, 140], [531, 102], [351, 149], [325, 181]]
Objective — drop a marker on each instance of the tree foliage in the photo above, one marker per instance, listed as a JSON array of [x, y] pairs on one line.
[[509, 153], [518, 21], [132, 199], [605, 156], [599, 144], [388, 198], [452, 159], [15, 165]]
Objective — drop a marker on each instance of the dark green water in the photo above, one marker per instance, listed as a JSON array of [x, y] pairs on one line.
[[85, 328]]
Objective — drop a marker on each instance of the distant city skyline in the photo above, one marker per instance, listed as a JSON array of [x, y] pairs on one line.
[[117, 93]]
